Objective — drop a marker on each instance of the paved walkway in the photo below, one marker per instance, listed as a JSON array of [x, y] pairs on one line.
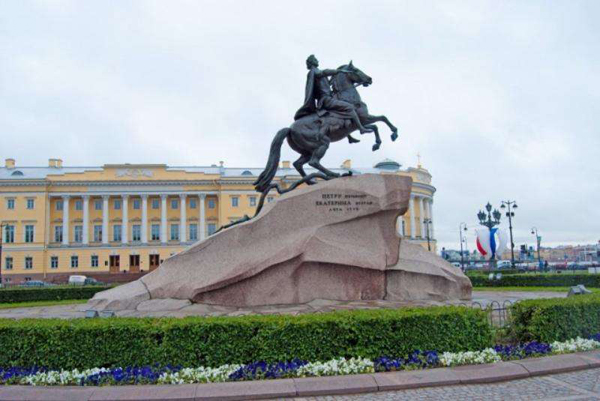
[[583, 385], [182, 308]]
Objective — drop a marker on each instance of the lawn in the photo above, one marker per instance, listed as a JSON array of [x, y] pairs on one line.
[[41, 303], [526, 289]]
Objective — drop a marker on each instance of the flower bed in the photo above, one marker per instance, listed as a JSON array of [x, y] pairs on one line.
[[296, 368]]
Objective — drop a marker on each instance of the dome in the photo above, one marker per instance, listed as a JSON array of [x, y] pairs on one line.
[[388, 164], [247, 172], [17, 173]]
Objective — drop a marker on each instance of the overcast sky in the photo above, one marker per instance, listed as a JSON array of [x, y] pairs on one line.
[[500, 98]]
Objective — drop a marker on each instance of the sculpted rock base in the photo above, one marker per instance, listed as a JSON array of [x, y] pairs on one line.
[[334, 240]]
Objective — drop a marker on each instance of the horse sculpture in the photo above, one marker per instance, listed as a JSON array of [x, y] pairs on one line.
[[311, 135]]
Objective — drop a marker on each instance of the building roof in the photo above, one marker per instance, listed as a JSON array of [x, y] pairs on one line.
[[39, 173]]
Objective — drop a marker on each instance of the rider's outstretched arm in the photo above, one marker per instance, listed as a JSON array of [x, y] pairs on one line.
[[329, 73]]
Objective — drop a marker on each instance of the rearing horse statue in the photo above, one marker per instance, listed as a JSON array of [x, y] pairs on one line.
[[311, 135]]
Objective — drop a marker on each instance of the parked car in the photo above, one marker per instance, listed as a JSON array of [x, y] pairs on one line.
[[83, 280], [36, 283]]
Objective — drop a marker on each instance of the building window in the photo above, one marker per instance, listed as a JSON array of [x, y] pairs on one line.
[[59, 205], [155, 203], [235, 201], [9, 234], [98, 204], [94, 260], [10, 204], [136, 233], [74, 262], [97, 233], [58, 233], [174, 204], [253, 201], [211, 203], [117, 232], [29, 233], [78, 204], [193, 203], [28, 263], [212, 227], [403, 228], [193, 232], [155, 232], [8, 263], [137, 204], [30, 203], [54, 262], [78, 233], [174, 232], [117, 204]]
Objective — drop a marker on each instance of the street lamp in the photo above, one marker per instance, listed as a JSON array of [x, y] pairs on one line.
[[489, 220], [510, 214], [462, 227], [427, 222], [534, 231]]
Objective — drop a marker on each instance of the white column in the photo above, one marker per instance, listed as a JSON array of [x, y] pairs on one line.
[[163, 219], [399, 224], [125, 219], [202, 228], [421, 217], [65, 228], [411, 208], [86, 220], [182, 218], [144, 219], [105, 219]]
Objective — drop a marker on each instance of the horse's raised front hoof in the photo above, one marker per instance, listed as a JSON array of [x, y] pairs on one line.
[[376, 147], [395, 135]]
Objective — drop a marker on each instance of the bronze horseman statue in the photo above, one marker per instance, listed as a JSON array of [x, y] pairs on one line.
[[332, 110]]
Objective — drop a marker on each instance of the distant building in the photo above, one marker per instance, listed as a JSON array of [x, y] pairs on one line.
[[127, 218]]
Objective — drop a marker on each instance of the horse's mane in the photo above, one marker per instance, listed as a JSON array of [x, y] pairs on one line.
[[335, 77]]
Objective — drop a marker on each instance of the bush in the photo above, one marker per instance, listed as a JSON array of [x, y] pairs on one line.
[[214, 341], [15, 294], [556, 319], [537, 280]]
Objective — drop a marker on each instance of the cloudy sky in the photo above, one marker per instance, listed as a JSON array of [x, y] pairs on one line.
[[501, 99]]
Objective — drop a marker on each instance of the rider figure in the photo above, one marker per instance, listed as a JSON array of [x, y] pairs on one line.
[[319, 97]]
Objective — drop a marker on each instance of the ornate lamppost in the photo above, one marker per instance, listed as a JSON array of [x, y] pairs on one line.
[[489, 220], [510, 214], [538, 239], [462, 227], [427, 222]]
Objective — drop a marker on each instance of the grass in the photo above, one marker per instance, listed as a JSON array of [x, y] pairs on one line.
[[42, 303], [528, 289]]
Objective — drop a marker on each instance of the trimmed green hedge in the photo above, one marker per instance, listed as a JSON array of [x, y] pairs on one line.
[[214, 341], [556, 319], [19, 294], [537, 280]]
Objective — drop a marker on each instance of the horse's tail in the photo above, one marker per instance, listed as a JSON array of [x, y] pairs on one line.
[[264, 179]]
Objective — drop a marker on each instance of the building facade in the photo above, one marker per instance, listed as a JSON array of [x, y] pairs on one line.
[[126, 219]]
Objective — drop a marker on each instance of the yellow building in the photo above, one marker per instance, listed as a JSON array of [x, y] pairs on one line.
[[126, 219]]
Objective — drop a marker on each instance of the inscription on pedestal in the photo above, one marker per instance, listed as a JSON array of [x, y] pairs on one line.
[[332, 202]]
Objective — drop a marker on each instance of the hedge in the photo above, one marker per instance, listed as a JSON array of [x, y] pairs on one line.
[[537, 280], [12, 295], [214, 341], [556, 319]]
